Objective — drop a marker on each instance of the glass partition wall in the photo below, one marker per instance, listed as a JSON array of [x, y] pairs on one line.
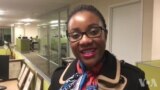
[[63, 38], [53, 40], [43, 35]]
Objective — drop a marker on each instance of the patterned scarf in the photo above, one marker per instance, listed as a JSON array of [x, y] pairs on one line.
[[83, 79]]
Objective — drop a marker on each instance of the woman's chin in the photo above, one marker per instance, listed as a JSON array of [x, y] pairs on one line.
[[89, 63]]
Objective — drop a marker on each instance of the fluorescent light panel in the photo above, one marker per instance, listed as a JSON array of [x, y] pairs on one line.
[[27, 20], [56, 21], [2, 12]]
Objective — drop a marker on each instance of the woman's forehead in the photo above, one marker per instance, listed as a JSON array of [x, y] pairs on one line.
[[85, 13], [84, 17]]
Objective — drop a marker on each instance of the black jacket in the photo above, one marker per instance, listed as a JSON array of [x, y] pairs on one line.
[[130, 76]]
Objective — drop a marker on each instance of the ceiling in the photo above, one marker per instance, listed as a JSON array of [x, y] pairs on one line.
[[15, 10]]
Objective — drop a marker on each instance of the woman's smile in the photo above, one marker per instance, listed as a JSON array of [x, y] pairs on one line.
[[88, 53]]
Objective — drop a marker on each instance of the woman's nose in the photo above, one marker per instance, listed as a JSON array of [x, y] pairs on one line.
[[85, 40]]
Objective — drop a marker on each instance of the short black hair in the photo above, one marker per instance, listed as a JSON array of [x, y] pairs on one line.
[[89, 8]]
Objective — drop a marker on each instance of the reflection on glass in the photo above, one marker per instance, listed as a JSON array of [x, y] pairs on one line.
[[53, 40], [63, 38], [43, 41]]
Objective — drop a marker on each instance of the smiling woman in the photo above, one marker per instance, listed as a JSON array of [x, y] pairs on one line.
[[94, 67]]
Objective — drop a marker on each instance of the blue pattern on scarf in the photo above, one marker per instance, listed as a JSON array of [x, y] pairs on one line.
[[71, 82]]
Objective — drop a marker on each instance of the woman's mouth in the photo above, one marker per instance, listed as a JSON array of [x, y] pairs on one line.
[[88, 53]]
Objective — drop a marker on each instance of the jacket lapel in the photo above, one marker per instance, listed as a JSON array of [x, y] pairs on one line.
[[68, 72]]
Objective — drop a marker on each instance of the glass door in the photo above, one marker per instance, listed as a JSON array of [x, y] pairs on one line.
[[43, 35], [63, 39], [54, 42]]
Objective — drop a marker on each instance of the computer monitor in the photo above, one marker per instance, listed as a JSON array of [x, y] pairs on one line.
[[4, 67], [1, 42]]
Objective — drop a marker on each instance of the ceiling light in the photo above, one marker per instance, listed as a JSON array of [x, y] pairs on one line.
[[56, 21], [27, 20], [54, 25], [53, 22], [2, 12]]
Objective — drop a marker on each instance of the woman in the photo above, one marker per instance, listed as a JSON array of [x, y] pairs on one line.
[[94, 68]]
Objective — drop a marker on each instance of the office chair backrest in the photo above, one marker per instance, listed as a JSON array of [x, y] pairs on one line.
[[1, 42], [4, 67]]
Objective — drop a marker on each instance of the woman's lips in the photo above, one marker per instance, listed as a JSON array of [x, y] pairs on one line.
[[88, 53]]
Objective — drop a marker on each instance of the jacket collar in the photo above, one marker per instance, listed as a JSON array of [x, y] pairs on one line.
[[111, 66], [110, 69]]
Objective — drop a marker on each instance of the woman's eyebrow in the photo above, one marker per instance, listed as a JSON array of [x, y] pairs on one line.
[[73, 30], [94, 24], [76, 29]]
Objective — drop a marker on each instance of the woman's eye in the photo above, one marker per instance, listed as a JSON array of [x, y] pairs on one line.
[[75, 35], [94, 31]]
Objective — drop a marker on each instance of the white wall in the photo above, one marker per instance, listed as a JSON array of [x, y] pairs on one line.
[[126, 27], [147, 29], [22, 30], [31, 30], [156, 31], [18, 31]]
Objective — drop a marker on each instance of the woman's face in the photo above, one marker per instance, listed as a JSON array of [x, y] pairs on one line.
[[88, 50]]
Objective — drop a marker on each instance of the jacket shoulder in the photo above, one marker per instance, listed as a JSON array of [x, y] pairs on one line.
[[131, 68], [55, 78], [55, 85], [60, 69], [135, 77]]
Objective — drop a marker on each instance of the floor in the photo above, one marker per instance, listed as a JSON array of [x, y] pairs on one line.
[[41, 63], [11, 85]]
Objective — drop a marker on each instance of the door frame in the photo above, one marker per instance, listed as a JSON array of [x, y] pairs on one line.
[[111, 7], [110, 26]]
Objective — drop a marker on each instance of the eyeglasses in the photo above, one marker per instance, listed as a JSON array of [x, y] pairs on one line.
[[92, 32]]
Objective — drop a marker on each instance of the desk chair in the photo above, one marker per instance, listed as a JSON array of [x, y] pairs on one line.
[[4, 69]]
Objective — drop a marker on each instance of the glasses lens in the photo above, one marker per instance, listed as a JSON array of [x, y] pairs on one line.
[[74, 36], [94, 32]]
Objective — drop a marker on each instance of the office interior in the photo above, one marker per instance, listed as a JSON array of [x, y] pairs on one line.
[[134, 33]]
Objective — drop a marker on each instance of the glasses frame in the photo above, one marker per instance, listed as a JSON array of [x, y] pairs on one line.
[[82, 33]]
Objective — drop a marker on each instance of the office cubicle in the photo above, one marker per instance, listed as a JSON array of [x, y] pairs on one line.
[[152, 73]]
